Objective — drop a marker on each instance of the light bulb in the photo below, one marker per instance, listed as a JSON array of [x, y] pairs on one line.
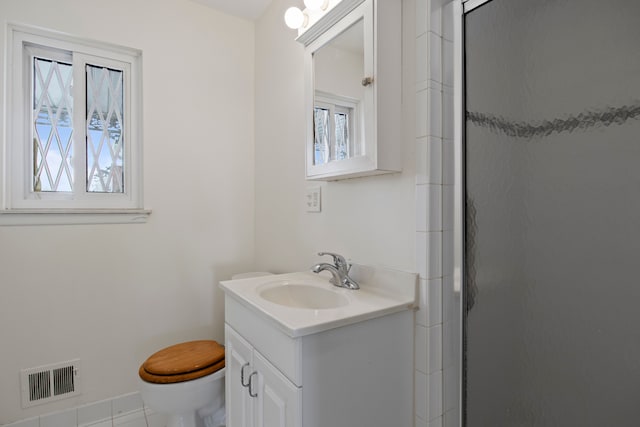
[[316, 4], [295, 18]]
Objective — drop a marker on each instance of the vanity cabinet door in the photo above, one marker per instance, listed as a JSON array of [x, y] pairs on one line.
[[257, 393], [239, 363], [278, 401]]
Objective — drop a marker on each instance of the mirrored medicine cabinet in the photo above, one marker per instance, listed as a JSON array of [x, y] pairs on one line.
[[353, 91]]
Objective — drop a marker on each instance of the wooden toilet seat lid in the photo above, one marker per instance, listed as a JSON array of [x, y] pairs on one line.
[[183, 362]]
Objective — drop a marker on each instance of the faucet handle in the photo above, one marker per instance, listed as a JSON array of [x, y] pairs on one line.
[[338, 260]]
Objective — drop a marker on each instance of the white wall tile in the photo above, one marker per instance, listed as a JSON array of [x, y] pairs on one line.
[[424, 85], [435, 395], [435, 85], [452, 418], [447, 20], [434, 207], [422, 165], [430, 219], [447, 210], [92, 413], [435, 113], [421, 254], [429, 160], [420, 347], [126, 403], [447, 252], [448, 309], [68, 418], [422, 312], [428, 207], [31, 422], [434, 301], [447, 113], [434, 254], [450, 358], [435, 57], [422, 113], [131, 419], [422, 57], [125, 411], [422, 207], [434, 346], [420, 395], [448, 172], [429, 16], [435, 16], [447, 346], [428, 254], [421, 16], [451, 388], [447, 62], [434, 160], [429, 111]]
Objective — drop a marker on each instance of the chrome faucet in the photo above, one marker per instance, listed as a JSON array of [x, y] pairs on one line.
[[339, 271]]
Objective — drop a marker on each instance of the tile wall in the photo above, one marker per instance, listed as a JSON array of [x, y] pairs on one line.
[[122, 411], [435, 393], [450, 315]]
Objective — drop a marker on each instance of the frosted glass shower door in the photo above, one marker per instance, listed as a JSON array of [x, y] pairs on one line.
[[552, 239]]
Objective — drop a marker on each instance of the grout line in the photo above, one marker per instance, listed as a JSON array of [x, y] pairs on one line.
[[144, 411]]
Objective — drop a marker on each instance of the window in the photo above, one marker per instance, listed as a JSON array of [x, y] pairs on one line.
[[74, 144], [335, 123]]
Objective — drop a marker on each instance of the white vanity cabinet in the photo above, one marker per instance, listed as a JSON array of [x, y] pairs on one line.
[[357, 375], [257, 393]]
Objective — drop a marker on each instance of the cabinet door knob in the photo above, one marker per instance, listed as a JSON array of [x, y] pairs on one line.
[[251, 393], [242, 376], [366, 81]]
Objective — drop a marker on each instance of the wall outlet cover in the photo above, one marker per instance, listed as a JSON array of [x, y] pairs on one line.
[[313, 199]]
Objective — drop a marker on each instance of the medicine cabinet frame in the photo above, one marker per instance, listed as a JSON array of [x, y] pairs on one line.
[[377, 136]]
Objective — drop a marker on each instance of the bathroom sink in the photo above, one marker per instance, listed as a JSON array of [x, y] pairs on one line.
[[304, 303], [298, 295]]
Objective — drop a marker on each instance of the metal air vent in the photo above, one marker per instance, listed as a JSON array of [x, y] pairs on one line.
[[49, 383]]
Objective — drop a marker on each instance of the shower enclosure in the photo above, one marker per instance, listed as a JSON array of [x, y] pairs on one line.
[[551, 213]]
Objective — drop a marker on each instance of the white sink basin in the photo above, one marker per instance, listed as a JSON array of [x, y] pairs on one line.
[[305, 303], [302, 296]]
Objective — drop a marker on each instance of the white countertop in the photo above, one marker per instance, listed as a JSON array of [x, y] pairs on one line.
[[382, 291]]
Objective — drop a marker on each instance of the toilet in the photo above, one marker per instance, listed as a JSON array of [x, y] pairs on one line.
[[186, 382]]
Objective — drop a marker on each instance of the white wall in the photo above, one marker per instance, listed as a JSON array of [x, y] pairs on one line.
[[370, 220], [111, 295]]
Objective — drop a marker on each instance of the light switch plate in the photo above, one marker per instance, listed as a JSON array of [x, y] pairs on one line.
[[313, 199]]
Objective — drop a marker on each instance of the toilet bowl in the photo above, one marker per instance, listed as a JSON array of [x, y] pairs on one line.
[[186, 383]]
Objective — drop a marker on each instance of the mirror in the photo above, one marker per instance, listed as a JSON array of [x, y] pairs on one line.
[[338, 68], [352, 63]]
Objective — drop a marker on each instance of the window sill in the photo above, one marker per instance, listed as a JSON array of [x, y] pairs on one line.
[[73, 216]]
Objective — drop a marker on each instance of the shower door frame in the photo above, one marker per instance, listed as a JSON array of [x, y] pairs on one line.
[[460, 9]]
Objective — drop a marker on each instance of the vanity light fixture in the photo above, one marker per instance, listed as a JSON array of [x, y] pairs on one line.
[[316, 4], [295, 18]]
